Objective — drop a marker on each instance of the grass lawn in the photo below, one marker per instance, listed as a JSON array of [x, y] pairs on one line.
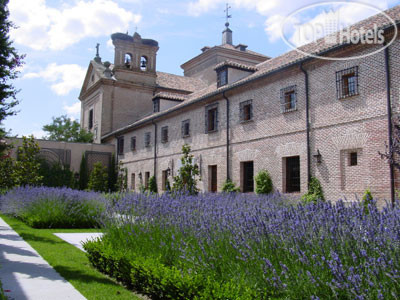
[[70, 262]]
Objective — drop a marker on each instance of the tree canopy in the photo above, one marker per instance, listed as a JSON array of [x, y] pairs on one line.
[[66, 130], [10, 60]]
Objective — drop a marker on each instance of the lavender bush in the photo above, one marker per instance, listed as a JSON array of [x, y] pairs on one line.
[[44, 207], [313, 251]]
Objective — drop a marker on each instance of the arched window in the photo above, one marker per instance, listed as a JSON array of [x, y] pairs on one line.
[[128, 60], [143, 63]]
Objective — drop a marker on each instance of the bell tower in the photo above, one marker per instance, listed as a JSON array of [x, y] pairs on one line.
[[135, 58]]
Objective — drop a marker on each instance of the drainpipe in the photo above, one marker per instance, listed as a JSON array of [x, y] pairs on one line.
[[227, 137], [155, 149], [307, 123], [390, 131]]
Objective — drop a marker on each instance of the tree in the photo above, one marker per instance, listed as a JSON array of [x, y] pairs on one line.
[[186, 181], [10, 60], [122, 178], [66, 130], [83, 174], [98, 180], [112, 175], [392, 154], [27, 165]]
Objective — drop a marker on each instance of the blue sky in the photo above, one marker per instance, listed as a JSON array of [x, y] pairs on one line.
[[59, 38]]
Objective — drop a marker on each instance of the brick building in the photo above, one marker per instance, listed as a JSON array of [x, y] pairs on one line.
[[240, 111]]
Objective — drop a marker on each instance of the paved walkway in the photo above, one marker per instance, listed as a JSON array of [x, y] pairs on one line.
[[26, 275], [77, 239]]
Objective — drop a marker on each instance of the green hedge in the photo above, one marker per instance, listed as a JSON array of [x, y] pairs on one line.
[[149, 276], [2, 296]]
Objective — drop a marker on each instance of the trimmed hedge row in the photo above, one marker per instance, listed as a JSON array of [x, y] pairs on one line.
[[149, 276]]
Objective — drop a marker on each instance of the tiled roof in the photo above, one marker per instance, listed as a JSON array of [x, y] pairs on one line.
[[234, 64], [170, 96], [176, 82], [272, 65], [228, 46]]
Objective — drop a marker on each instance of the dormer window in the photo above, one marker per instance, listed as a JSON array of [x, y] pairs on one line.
[[143, 63], [222, 77], [156, 105]]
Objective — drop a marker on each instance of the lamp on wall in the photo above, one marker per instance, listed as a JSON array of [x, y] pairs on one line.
[[169, 171], [318, 156], [140, 176]]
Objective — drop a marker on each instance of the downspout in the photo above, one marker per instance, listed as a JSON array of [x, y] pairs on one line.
[[155, 149], [390, 131], [228, 177], [307, 123]]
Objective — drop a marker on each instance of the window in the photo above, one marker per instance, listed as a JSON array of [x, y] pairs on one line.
[[156, 105], [128, 60], [347, 82], [288, 99], [147, 137], [246, 111], [143, 63], [185, 128], [222, 77], [133, 143], [164, 134], [211, 118], [133, 181], [120, 145], [90, 125], [353, 159]]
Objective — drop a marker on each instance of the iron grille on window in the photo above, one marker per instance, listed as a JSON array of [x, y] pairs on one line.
[[147, 139], [133, 143], [156, 105], [120, 145], [289, 99], [222, 77], [185, 128], [246, 110], [90, 119], [211, 118], [347, 82], [164, 134]]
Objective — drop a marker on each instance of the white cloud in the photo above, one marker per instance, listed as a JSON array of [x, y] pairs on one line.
[[275, 10], [73, 110], [42, 27], [38, 134], [63, 78]]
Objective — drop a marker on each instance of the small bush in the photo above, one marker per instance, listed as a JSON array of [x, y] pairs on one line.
[[230, 187], [367, 200], [314, 193], [153, 185], [263, 183], [98, 180]]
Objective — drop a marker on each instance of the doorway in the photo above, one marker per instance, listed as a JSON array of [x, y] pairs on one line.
[[293, 174], [247, 172], [212, 179]]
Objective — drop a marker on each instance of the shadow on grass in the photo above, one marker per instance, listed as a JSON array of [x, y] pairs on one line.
[[36, 238]]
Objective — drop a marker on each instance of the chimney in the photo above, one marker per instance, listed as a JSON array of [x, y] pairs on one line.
[[227, 35]]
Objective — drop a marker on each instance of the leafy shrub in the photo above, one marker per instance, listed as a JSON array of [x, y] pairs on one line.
[[153, 185], [43, 207], [263, 183], [314, 193], [56, 175], [230, 187], [367, 200], [98, 180], [7, 179]]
